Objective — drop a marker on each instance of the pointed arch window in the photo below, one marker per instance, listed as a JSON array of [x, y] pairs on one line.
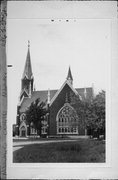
[[68, 118]]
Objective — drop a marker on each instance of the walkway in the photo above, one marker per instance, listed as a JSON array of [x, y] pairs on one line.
[[21, 144]]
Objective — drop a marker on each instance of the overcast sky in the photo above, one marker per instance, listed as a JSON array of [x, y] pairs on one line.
[[54, 45]]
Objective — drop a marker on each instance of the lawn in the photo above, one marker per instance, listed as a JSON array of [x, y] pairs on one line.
[[82, 150]]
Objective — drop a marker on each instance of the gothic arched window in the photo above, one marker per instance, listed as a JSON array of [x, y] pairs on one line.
[[69, 120]]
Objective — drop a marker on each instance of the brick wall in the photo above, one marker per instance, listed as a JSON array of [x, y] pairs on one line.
[[55, 107]]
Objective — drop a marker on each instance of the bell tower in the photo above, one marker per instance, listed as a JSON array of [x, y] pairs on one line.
[[27, 78]]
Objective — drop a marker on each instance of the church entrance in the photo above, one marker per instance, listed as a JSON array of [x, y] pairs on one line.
[[23, 131], [67, 120]]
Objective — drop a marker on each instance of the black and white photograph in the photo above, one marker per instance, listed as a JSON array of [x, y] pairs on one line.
[[59, 80]]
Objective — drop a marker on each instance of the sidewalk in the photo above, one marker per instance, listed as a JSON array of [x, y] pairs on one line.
[[40, 142]]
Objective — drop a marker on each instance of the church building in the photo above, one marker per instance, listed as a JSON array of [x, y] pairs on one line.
[[61, 116]]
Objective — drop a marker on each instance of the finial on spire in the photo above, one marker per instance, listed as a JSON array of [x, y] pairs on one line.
[[28, 43]]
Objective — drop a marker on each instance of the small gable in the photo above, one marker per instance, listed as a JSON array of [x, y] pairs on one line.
[[24, 94]]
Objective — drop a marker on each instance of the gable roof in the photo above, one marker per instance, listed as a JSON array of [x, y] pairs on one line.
[[53, 94], [35, 95], [58, 92]]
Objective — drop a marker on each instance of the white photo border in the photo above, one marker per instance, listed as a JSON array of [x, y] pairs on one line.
[[75, 171]]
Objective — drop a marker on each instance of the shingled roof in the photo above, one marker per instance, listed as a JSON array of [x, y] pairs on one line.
[[35, 95], [43, 96], [89, 92]]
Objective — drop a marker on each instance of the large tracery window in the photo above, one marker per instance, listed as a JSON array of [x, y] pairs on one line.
[[67, 120]]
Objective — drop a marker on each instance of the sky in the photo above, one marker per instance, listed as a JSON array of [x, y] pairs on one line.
[[82, 44]]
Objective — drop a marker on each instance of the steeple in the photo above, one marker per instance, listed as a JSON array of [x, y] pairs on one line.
[[28, 68], [27, 78], [69, 76]]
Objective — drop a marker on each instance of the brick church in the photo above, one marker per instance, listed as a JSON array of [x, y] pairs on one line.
[[61, 113]]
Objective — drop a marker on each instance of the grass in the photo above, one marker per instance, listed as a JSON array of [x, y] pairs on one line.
[[82, 150]]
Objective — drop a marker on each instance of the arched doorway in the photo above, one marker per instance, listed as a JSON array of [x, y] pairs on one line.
[[23, 131], [67, 120]]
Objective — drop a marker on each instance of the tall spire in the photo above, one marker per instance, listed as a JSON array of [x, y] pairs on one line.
[[27, 78], [69, 76], [28, 44], [28, 68]]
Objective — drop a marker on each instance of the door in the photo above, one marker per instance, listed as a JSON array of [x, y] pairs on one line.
[[23, 131]]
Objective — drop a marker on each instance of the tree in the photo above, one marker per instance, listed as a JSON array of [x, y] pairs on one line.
[[35, 114], [95, 115], [80, 108], [91, 113], [98, 109]]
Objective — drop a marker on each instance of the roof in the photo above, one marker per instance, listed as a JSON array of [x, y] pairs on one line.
[[89, 92], [28, 68], [43, 95], [58, 92], [35, 95]]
